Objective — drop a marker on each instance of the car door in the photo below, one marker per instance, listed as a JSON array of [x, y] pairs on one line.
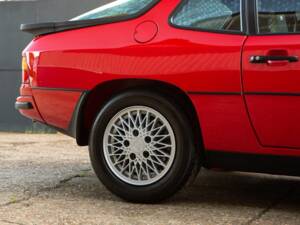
[[271, 73], [208, 66]]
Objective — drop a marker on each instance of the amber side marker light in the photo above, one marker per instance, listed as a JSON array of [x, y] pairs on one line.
[[25, 71]]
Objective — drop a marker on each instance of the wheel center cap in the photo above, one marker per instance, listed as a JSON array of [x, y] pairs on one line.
[[137, 145]]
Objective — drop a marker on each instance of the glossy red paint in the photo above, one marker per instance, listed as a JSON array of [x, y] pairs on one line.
[[57, 107], [145, 31], [274, 104], [31, 113], [213, 69]]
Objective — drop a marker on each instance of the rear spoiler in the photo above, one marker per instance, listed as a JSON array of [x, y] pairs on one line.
[[53, 27]]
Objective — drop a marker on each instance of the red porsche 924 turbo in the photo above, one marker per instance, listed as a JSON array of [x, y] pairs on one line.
[[158, 89]]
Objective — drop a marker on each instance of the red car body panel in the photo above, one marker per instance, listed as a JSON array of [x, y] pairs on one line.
[[27, 96], [274, 109], [232, 97], [32, 113], [57, 108]]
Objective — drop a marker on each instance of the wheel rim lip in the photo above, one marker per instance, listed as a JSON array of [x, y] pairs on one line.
[[107, 157]]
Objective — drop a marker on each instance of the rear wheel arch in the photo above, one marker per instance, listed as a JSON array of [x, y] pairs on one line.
[[93, 101]]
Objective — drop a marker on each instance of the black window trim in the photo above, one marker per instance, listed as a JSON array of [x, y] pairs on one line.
[[244, 23], [254, 22], [250, 12]]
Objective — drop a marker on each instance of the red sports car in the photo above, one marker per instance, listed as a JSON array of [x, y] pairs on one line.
[[158, 89]]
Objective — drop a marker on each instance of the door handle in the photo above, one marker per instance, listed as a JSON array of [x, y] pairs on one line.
[[267, 59]]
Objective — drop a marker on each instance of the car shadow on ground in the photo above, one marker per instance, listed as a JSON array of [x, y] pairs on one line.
[[242, 189], [214, 188]]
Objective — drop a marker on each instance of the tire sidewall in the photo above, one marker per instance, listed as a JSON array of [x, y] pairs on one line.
[[177, 174]]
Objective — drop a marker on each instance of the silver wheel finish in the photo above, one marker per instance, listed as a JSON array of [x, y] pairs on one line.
[[139, 145]]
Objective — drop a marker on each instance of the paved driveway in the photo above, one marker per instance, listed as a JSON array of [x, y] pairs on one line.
[[47, 179]]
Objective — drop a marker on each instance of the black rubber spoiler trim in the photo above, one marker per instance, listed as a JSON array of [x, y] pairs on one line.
[[53, 27]]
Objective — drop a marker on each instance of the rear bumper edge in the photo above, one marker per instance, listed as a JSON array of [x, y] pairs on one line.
[[23, 105]]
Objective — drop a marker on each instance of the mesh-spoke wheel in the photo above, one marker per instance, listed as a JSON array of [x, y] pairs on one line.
[[139, 145]]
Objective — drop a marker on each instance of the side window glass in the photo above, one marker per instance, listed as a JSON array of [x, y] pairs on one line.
[[116, 8], [278, 16], [215, 15]]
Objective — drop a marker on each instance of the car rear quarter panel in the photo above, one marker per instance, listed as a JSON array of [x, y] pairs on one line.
[[204, 65]]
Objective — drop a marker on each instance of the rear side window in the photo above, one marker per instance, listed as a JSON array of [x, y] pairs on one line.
[[278, 16], [118, 8], [215, 15]]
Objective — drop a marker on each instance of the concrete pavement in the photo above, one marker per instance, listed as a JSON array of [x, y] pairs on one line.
[[47, 179]]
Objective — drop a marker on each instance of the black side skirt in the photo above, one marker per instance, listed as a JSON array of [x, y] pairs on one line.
[[280, 165]]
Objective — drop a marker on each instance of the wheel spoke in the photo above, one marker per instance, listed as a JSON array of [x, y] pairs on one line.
[[125, 168], [159, 161], [153, 167], [139, 145], [161, 145], [116, 140], [145, 170], [124, 123], [116, 148], [163, 154], [119, 162], [157, 130], [131, 120], [161, 138]]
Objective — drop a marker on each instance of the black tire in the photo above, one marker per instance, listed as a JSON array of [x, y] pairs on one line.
[[185, 159]]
